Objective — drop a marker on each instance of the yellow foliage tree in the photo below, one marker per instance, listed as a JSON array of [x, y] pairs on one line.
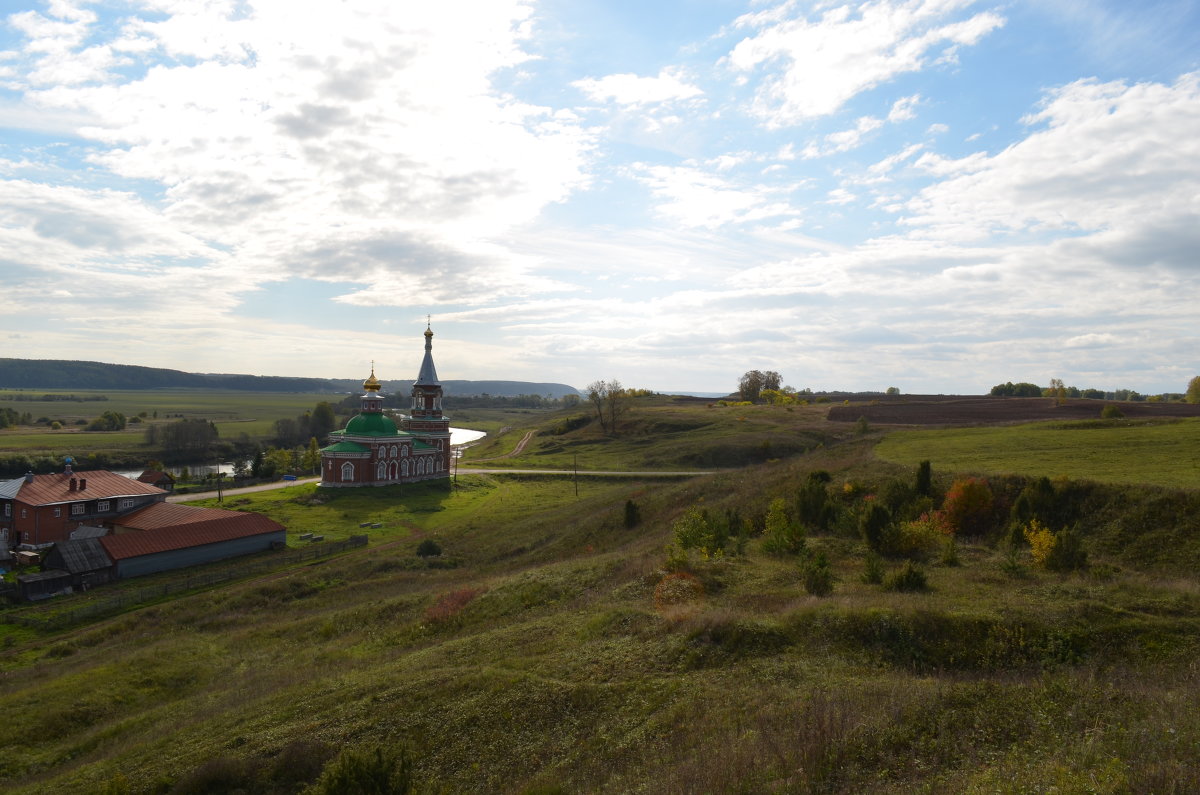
[[1041, 541]]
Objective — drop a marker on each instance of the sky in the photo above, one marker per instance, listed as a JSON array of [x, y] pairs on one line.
[[935, 195]]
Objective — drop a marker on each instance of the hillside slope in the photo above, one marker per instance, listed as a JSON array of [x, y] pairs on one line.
[[556, 645]]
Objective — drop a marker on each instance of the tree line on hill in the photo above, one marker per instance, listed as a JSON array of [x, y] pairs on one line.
[[1060, 391], [62, 374]]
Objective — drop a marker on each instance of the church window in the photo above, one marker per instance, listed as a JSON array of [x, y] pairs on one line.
[[380, 471], [404, 450], [404, 468], [347, 471]]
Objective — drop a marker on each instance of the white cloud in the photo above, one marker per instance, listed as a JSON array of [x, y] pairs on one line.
[[630, 89], [904, 109], [359, 143], [814, 66], [696, 198], [1114, 158]]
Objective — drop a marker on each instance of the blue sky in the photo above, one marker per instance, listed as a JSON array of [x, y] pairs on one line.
[[937, 195]]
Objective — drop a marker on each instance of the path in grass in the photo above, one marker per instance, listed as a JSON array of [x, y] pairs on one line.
[[1152, 453], [516, 451]]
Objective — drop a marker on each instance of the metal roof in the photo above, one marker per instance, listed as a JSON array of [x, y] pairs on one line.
[[428, 375], [346, 447], [80, 556], [166, 539], [9, 488], [166, 514], [101, 484]]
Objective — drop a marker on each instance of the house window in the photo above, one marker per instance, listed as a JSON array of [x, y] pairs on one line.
[[124, 504], [102, 505], [8, 509], [57, 512], [77, 508]]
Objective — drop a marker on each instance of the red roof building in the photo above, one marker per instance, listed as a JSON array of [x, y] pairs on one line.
[[165, 536], [42, 509]]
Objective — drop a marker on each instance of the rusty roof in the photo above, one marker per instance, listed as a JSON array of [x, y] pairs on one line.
[[195, 534], [154, 476], [166, 514], [101, 484]]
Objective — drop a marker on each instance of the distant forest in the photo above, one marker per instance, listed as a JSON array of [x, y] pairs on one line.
[[64, 374]]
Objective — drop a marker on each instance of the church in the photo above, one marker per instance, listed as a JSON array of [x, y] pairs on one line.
[[373, 450]]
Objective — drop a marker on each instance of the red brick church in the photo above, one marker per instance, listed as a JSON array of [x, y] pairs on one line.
[[373, 450]]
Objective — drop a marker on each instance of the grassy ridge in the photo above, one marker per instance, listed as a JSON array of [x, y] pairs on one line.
[[538, 652], [1161, 453]]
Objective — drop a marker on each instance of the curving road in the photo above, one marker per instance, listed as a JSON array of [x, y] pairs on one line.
[[283, 484]]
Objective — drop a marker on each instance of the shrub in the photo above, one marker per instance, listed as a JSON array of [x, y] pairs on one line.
[[873, 524], [375, 772], [872, 569], [918, 539], [1068, 553], [1062, 551], [817, 575], [428, 548], [967, 507], [783, 535], [1041, 541], [677, 588], [813, 506], [1111, 412], [910, 579], [633, 514], [924, 484], [693, 531]]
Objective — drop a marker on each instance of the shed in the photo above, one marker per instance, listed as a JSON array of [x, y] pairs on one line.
[[150, 551], [44, 584], [84, 559]]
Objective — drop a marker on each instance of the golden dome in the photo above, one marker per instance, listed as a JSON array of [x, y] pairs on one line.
[[372, 384]]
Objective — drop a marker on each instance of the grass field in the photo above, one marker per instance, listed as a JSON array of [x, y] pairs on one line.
[[663, 433], [540, 651], [553, 648], [1162, 453]]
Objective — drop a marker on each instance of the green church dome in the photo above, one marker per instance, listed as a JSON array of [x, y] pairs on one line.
[[371, 425]]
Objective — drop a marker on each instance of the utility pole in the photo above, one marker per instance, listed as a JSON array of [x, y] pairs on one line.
[[577, 476]]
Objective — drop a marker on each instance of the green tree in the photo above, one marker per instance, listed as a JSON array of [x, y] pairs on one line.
[[693, 531], [323, 420], [873, 525], [924, 478], [633, 514], [1193, 390], [753, 382], [312, 456], [782, 535]]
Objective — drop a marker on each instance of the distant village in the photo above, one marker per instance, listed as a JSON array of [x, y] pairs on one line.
[[89, 528]]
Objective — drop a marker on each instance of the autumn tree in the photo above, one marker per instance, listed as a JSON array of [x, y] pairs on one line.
[[1058, 391], [610, 400], [753, 382]]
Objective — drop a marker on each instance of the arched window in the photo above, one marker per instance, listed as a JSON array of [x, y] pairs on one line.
[[347, 471], [380, 471], [395, 452], [404, 450], [404, 468]]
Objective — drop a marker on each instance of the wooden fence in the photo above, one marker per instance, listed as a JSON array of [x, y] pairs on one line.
[[58, 615]]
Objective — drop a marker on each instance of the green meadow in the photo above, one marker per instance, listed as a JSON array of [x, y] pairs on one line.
[[1152, 452], [557, 641]]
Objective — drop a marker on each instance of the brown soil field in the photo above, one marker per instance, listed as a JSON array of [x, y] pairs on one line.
[[967, 410]]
